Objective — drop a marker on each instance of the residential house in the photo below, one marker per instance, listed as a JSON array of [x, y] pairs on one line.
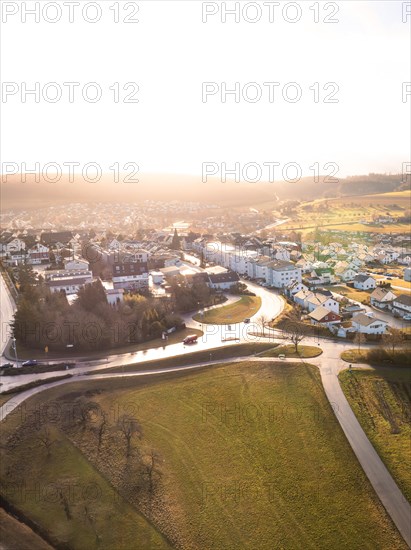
[[38, 254], [68, 282], [223, 281], [323, 316], [114, 296], [402, 305], [316, 299], [382, 298], [281, 273], [404, 259], [131, 273], [77, 264], [366, 324], [294, 287], [364, 282]]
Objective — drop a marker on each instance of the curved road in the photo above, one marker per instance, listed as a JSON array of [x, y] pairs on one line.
[[329, 364]]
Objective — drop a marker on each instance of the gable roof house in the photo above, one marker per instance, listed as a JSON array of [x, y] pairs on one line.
[[382, 298], [365, 324], [323, 316], [402, 305], [364, 282]]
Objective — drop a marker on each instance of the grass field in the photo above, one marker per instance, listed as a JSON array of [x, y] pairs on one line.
[[351, 293], [381, 400], [248, 456], [289, 351], [247, 306]]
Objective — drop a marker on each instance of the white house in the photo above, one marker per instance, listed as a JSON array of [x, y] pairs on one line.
[[365, 324], [404, 259], [280, 274], [77, 264], [347, 275], [69, 283], [314, 300], [223, 281], [364, 282], [295, 287], [402, 305], [382, 298], [114, 295], [15, 245]]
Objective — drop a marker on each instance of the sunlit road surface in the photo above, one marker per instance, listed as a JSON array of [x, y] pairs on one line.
[[6, 315]]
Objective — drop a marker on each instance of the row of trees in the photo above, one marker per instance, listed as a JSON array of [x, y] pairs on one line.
[[46, 319]]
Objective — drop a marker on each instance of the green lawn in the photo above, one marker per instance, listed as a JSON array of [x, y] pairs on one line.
[[213, 354], [250, 456], [381, 400], [289, 351], [247, 306]]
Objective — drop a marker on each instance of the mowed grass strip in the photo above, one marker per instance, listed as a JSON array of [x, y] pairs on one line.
[[202, 356], [305, 352], [253, 457], [381, 400], [245, 307]]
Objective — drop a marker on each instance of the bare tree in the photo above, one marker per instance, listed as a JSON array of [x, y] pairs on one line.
[[295, 330], [129, 427], [263, 320], [151, 470], [102, 427], [360, 339], [65, 504], [45, 437], [393, 338], [88, 411]]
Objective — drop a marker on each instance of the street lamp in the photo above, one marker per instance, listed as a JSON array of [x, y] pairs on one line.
[[15, 350]]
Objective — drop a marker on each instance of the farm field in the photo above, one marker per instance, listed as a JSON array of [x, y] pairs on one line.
[[238, 456], [246, 306], [348, 213], [381, 400]]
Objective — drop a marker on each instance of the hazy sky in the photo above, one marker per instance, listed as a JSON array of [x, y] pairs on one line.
[[171, 52]]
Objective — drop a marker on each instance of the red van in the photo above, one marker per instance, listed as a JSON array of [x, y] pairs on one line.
[[191, 339]]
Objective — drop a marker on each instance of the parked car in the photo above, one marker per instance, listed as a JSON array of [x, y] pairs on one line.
[[191, 339], [7, 366], [407, 317], [281, 356], [246, 320], [30, 363]]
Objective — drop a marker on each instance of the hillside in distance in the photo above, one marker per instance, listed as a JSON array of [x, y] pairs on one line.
[[17, 193]]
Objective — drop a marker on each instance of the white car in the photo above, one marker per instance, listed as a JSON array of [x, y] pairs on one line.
[[407, 317]]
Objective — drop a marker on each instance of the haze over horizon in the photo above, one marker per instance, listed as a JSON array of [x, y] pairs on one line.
[[174, 128]]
